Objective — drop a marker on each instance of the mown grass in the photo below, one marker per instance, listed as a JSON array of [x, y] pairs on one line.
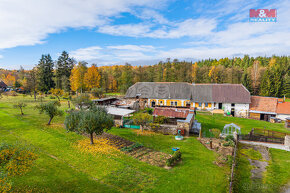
[[61, 167], [277, 173], [219, 121]]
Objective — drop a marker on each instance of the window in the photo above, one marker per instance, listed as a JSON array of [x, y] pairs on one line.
[[199, 104], [206, 104], [161, 102], [172, 103], [175, 103], [233, 104]]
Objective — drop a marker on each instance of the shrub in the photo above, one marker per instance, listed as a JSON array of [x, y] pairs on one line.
[[160, 119], [52, 97], [229, 137], [229, 143], [82, 100], [216, 133], [149, 110], [154, 126], [174, 158], [131, 147]]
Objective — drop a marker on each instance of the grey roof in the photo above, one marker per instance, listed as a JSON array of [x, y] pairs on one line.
[[220, 93], [2, 84], [104, 99], [119, 111]]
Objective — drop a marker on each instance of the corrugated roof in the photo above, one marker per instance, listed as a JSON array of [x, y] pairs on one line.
[[263, 104], [283, 108], [171, 112], [224, 93], [119, 111]]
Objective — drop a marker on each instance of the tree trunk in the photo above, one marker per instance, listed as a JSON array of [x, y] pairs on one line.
[[21, 111], [34, 93], [92, 138], [57, 97], [49, 120], [141, 126], [68, 103]]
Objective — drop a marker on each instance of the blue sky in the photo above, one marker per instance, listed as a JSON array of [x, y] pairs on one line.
[[138, 32]]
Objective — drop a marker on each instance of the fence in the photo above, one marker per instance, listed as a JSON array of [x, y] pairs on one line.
[[233, 165], [263, 135], [129, 123]]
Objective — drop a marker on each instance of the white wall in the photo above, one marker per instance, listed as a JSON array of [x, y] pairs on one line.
[[282, 116], [241, 110]]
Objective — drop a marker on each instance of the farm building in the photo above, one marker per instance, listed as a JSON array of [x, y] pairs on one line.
[[3, 86], [283, 109], [263, 108], [233, 99]]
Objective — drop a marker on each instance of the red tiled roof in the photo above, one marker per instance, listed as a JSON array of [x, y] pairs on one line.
[[283, 108], [171, 112], [265, 104]]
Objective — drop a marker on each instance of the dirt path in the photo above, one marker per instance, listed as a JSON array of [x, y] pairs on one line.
[[259, 166]]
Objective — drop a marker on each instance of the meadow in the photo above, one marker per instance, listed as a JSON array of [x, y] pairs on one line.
[[63, 166]]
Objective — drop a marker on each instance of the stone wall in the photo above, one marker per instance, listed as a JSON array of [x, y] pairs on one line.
[[164, 129]]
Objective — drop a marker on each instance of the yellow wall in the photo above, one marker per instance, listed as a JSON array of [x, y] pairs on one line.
[[159, 102]]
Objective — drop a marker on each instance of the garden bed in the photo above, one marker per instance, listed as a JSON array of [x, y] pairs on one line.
[[138, 151]]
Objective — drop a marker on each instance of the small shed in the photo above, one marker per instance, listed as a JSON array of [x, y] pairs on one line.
[[229, 129], [119, 113]]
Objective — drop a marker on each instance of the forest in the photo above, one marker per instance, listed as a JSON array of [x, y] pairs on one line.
[[265, 76]]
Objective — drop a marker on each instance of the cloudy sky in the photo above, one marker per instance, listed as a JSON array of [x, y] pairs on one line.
[[140, 32]]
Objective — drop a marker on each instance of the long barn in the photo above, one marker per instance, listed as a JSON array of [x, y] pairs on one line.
[[234, 99]]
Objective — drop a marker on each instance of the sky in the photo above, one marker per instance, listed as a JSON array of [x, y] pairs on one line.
[[139, 32]]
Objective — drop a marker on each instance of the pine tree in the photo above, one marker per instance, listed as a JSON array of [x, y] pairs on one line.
[[45, 73], [64, 65], [246, 81]]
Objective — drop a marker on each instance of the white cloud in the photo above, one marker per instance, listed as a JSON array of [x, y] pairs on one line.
[[89, 53], [133, 47], [132, 30], [189, 27], [29, 22], [114, 54]]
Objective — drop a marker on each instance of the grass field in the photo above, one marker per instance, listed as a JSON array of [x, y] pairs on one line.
[[277, 173], [218, 121], [63, 168]]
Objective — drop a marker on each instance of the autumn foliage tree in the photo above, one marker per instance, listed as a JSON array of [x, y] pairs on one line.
[[56, 92], [92, 78], [77, 77]]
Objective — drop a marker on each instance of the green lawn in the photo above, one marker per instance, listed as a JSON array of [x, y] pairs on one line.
[[63, 168], [218, 121], [276, 176]]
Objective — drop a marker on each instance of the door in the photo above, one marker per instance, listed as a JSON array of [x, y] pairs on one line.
[[220, 105], [153, 104], [233, 112]]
